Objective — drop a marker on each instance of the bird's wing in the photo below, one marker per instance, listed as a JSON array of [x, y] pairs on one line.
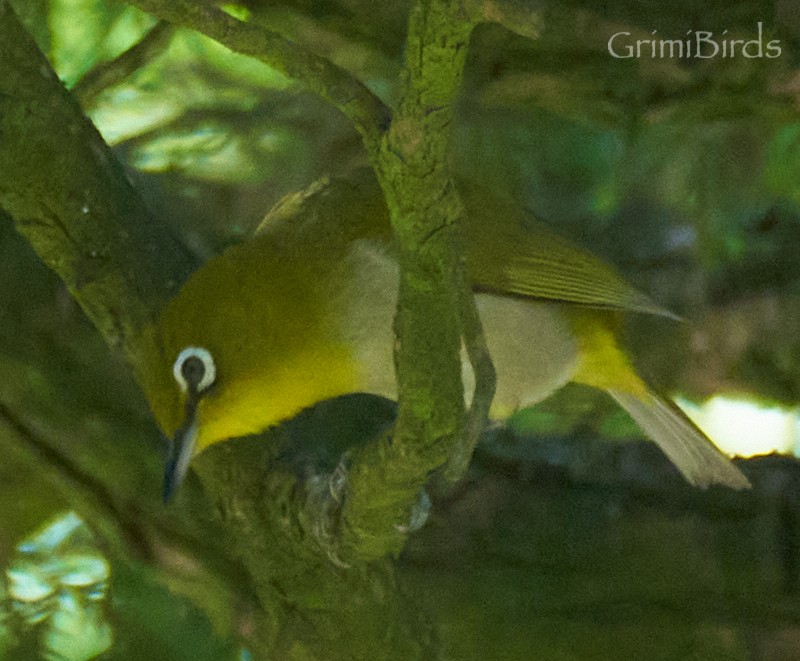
[[546, 266], [509, 253]]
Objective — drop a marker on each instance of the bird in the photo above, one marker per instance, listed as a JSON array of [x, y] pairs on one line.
[[303, 312]]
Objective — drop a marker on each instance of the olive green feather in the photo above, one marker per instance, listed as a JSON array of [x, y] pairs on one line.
[[508, 252]]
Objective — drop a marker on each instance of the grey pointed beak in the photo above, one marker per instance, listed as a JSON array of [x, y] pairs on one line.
[[180, 454], [195, 372]]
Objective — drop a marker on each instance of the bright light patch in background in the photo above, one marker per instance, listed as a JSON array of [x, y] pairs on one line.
[[743, 427], [56, 586]]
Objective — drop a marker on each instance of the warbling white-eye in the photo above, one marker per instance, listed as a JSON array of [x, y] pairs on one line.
[[303, 312]]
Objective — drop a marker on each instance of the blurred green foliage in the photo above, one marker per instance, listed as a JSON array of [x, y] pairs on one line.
[[683, 173], [84, 33]]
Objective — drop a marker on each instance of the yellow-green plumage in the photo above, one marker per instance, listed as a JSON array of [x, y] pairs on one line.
[[259, 310], [303, 312]]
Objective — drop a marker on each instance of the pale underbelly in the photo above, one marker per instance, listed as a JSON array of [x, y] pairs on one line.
[[531, 344], [532, 348]]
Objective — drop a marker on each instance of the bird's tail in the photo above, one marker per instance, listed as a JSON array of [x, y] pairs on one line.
[[695, 456], [605, 366]]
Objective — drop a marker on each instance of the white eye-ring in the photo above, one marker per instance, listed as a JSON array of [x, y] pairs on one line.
[[194, 370]]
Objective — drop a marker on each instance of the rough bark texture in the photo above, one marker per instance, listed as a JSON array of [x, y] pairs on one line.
[[320, 575], [72, 201]]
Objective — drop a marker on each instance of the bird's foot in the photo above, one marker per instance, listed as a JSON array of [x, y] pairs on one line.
[[326, 497]]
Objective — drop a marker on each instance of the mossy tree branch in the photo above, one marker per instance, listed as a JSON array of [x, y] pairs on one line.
[[413, 171], [72, 201]]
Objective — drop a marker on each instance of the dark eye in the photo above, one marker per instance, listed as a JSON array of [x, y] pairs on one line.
[[194, 370]]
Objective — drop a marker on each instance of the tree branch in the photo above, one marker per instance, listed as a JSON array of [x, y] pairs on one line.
[[108, 74], [69, 197], [413, 171], [521, 17], [485, 383], [87, 492], [367, 112]]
